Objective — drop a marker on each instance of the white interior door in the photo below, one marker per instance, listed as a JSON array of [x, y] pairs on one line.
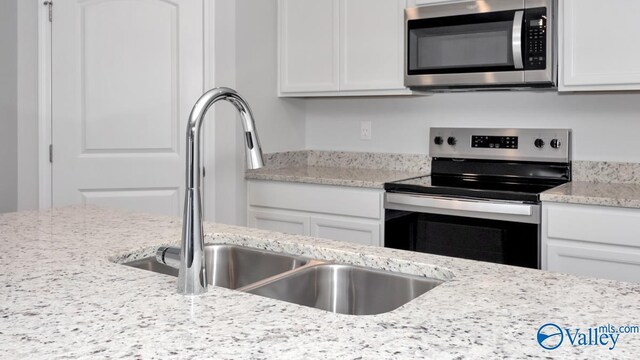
[[125, 74]]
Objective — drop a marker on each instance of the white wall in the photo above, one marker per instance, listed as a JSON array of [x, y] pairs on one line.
[[605, 126], [280, 122], [245, 59], [8, 106], [27, 104], [228, 173]]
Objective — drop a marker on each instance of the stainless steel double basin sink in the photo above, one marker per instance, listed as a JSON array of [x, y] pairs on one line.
[[338, 288]]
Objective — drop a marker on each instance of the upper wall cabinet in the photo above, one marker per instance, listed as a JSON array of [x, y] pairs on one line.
[[308, 40], [598, 45], [341, 47]]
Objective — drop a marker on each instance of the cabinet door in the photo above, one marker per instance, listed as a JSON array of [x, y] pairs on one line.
[[297, 224], [371, 44], [598, 45], [308, 45], [350, 230]]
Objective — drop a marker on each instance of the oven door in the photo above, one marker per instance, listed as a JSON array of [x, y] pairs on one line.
[[473, 44], [499, 232]]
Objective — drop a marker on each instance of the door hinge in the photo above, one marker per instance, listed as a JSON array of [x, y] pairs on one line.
[[51, 153], [50, 5]]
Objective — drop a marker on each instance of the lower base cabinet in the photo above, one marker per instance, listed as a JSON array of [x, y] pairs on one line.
[[360, 231], [348, 214], [290, 223], [588, 240]]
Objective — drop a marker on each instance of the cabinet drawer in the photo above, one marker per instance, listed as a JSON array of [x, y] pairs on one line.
[[363, 232], [281, 222], [588, 259], [597, 224], [364, 203]]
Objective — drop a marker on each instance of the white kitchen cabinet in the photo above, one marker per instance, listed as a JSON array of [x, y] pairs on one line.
[[289, 223], [308, 45], [591, 240], [598, 45], [332, 212], [371, 44], [359, 231], [341, 47]]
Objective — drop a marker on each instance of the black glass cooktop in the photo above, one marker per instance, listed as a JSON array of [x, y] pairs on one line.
[[510, 181], [469, 187]]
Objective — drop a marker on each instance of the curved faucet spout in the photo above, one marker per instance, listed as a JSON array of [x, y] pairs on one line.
[[192, 277]]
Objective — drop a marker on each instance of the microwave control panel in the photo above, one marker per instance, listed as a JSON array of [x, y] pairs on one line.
[[535, 25]]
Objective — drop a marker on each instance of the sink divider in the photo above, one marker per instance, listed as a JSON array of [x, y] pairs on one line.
[[255, 285]]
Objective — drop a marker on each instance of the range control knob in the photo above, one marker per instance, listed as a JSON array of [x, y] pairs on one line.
[[451, 141], [539, 143], [555, 143], [438, 140]]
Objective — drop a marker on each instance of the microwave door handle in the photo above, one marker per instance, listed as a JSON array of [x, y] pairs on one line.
[[516, 40]]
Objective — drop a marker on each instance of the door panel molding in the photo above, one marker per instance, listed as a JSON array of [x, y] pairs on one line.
[[152, 101], [158, 200]]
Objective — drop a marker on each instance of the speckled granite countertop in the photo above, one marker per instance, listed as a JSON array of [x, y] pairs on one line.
[[64, 297], [341, 168], [589, 193], [367, 178]]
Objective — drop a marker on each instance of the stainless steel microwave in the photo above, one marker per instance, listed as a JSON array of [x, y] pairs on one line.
[[481, 44]]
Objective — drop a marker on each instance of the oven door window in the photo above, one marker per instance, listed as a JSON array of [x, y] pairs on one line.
[[461, 44], [493, 241]]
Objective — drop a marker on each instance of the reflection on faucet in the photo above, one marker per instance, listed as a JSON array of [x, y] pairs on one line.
[[192, 277]]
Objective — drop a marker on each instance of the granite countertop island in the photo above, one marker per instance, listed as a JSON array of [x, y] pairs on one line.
[[64, 295]]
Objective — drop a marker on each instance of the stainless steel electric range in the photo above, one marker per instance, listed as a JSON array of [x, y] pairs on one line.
[[481, 200]]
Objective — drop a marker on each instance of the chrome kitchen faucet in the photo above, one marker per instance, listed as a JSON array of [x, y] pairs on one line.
[[192, 277]]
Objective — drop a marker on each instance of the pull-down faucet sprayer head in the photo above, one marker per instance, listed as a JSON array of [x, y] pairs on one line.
[[253, 149]]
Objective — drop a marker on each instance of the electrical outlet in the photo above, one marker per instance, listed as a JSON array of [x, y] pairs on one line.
[[365, 130]]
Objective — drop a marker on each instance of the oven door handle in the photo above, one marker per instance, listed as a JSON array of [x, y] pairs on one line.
[[459, 205], [516, 39]]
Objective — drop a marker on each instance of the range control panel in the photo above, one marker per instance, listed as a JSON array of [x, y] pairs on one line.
[[549, 145], [494, 142]]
